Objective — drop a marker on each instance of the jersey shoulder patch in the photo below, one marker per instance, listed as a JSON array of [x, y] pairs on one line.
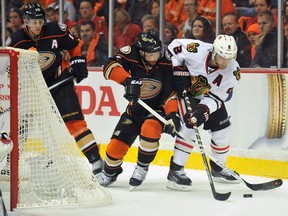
[[168, 54], [192, 47], [237, 73], [125, 50], [62, 26], [54, 28], [8, 41]]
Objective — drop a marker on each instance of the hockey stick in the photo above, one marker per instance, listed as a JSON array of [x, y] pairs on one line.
[[3, 204], [255, 187], [216, 195], [61, 82]]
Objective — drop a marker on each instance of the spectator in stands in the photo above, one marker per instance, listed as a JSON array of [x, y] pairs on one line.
[[14, 3], [68, 4], [241, 3], [93, 45], [207, 8], [138, 10], [202, 30], [97, 5], [66, 20], [190, 7], [286, 11], [8, 32], [15, 19], [266, 42], [87, 13], [286, 30], [246, 8], [155, 8], [76, 30], [252, 31], [274, 7], [150, 22], [125, 32], [175, 12], [260, 6], [104, 9], [231, 27], [170, 33], [50, 14]]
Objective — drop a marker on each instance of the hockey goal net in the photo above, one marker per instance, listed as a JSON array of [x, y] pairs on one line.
[[47, 168]]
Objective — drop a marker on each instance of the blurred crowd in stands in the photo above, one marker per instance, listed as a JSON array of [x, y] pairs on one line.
[[253, 23]]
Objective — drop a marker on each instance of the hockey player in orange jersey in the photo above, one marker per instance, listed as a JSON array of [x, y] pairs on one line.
[[51, 40], [143, 69]]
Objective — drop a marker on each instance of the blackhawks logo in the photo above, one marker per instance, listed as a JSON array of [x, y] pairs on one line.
[[200, 85], [192, 47], [237, 73]]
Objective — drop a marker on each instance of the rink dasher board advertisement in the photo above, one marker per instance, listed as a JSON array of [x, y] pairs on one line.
[[258, 112]]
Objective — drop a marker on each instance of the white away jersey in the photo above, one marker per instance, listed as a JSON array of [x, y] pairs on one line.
[[194, 54]]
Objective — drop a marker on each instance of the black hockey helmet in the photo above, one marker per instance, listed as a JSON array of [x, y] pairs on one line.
[[34, 11], [149, 42]]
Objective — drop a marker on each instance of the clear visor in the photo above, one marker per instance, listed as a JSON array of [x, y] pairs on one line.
[[35, 22]]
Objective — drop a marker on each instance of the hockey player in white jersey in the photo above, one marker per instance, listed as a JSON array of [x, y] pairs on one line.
[[209, 73]]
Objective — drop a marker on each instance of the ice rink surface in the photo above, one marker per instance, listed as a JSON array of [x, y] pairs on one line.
[[153, 198]]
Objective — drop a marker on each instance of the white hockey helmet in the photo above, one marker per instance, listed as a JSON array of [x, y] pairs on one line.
[[225, 46]]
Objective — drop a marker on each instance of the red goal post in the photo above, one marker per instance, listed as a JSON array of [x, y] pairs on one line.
[[47, 167]]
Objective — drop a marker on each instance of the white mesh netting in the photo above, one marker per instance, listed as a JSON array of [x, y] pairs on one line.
[[52, 169]]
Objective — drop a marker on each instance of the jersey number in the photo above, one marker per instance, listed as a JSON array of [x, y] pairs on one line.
[[177, 49]]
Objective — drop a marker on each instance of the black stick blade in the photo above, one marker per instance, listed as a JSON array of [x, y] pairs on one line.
[[221, 196], [265, 186]]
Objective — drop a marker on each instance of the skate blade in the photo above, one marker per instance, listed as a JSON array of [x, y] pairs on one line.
[[174, 186], [132, 188]]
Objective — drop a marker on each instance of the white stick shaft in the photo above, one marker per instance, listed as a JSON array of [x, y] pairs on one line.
[[153, 112], [61, 82], [163, 120]]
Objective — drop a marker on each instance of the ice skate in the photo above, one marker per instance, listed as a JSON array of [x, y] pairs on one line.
[[105, 179], [222, 175], [138, 176], [97, 166], [177, 178]]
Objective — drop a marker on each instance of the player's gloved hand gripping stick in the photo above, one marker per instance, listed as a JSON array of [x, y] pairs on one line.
[[132, 89], [78, 70]]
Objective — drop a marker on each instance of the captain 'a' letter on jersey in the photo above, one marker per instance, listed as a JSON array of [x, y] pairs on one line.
[[53, 39], [194, 54]]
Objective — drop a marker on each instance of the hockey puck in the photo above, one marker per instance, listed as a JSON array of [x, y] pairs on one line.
[[247, 195]]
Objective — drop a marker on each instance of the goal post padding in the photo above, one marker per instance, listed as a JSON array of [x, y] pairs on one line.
[[47, 167]]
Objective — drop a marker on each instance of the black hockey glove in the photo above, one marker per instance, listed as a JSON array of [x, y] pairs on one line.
[[197, 117], [173, 124], [181, 80], [79, 68], [132, 89]]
